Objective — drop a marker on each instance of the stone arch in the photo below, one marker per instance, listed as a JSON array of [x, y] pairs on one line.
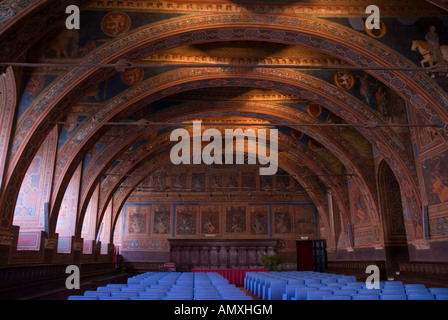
[[109, 182], [394, 220], [163, 142], [153, 164], [298, 80]]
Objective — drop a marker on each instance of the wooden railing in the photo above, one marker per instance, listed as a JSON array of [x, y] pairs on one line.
[[432, 274], [48, 281]]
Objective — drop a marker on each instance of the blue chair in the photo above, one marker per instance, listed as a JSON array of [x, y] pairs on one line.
[[370, 296], [152, 296], [352, 285], [417, 290], [82, 298], [276, 289], [116, 285], [318, 295], [328, 281], [290, 291], [438, 290], [108, 289], [242, 298], [302, 293], [345, 292], [369, 291], [312, 282], [392, 285], [414, 286], [337, 297], [97, 294], [441, 296], [417, 296], [119, 295], [393, 297], [391, 291]]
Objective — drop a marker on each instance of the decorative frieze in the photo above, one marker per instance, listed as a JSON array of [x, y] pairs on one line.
[[321, 8]]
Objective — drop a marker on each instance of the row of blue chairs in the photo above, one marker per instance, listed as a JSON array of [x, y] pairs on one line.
[[297, 285], [168, 286]]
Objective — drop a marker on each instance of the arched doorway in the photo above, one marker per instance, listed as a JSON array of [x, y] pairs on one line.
[[395, 240]]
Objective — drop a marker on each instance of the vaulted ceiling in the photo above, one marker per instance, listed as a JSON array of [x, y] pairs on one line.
[[219, 62]]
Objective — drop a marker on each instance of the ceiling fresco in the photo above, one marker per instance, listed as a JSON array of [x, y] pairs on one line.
[[338, 119]]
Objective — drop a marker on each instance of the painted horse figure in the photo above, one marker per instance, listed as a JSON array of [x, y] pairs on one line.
[[423, 49]]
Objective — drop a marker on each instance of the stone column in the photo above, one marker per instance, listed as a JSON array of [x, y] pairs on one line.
[[223, 257], [205, 263], [213, 257], [233, 262], [242, 257], [194, 257], [252, 256], [261, 251]]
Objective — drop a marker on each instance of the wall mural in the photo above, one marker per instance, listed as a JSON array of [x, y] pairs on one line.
[[161, 219], [235, 219], [435, 173], [259, 219], [186, 219], [210, 224], [305, 220], [217, 212], [137, 220], [282, 219]]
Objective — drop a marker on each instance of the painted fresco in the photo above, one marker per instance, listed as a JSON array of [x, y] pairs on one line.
[[159, 181], [235, 219], [435, 174], [248, 181], [358, 206], [198, 182], [259, 219], [231, 182], [210, 220], [65, 225], [438, 226], [282, 182], [178, 182], [266, 183], [161, 221], [145, 244], [186, 220], [27, 202], [282, 219], [88, 226], [137, 218], [215, 182], [305, 220]]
